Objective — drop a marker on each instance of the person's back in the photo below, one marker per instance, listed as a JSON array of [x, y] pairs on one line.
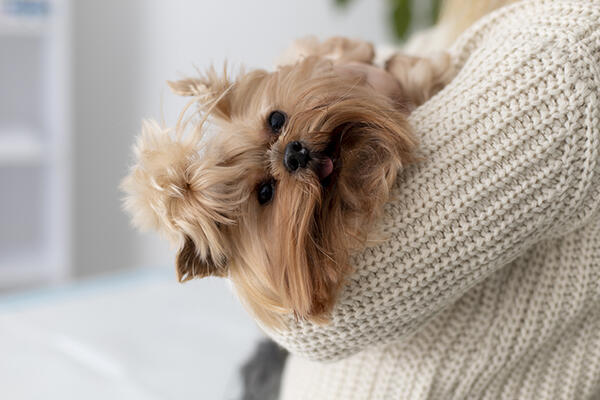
[[490, 285]]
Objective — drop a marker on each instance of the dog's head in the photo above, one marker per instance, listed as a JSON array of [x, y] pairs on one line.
[[287, 185]]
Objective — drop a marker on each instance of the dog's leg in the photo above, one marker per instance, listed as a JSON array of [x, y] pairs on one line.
[[343, 50], [338, 49], [420, 77]]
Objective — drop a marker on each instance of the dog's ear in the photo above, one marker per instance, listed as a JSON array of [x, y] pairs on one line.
[[420, 77], [190, 265], [188, 87], [212, 90]]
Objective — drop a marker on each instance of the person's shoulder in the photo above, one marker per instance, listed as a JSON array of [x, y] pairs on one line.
[[568, 16], [575, 20], [570, 27]]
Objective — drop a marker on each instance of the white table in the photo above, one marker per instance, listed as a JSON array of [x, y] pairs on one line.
[[137, 335]]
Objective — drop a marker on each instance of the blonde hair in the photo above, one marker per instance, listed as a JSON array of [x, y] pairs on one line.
[[461, 14]]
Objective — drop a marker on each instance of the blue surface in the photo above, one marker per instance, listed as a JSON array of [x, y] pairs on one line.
[[114, 281]]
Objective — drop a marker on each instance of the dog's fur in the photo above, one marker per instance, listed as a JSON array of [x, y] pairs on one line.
[[290, 255]]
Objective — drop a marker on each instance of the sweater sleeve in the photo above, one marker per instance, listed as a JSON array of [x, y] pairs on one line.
[[510, 158]]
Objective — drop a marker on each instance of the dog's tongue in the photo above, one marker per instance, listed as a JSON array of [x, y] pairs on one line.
[[326, 168]]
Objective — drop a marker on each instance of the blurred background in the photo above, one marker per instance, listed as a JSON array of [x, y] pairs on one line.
[[88, 306]]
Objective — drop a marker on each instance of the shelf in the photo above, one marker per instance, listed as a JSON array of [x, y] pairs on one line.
[[23, 26], [18, 148], [35, 86]]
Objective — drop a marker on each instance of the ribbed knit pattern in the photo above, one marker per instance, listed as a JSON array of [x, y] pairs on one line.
[[489, 286]]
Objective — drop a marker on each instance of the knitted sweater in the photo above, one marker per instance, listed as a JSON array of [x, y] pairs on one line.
[[489, 286]]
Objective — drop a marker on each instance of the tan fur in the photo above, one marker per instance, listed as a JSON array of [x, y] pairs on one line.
[[337, 49], [290, 255], [420, 77]]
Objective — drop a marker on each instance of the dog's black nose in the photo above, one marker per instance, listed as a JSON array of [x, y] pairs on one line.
[[295, 156]]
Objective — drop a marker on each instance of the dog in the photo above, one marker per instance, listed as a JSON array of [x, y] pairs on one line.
[[279, 176]]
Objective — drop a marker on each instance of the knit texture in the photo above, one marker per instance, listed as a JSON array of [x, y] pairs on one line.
[[489, 286]]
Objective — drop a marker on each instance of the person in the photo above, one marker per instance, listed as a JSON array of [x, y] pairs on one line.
[[489, 284]]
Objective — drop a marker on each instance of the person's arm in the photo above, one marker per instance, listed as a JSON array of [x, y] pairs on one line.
[[510, 157]]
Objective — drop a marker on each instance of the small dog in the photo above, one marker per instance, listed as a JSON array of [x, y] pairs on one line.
[[293, 179]]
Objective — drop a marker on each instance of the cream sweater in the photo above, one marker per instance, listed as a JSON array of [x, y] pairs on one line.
[[490, 285]]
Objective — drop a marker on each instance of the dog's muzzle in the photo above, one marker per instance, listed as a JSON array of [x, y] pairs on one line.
[[295, 156]]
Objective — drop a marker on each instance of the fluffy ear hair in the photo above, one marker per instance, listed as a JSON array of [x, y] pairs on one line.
[[157, 179], [420, 77], [189, 264], [212, 91], [167, 190], [188, 87]]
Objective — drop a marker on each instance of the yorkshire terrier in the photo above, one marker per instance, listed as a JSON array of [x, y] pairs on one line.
[[292, 179]]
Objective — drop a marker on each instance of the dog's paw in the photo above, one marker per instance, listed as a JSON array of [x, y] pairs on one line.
[[337, 49], [421, 77]]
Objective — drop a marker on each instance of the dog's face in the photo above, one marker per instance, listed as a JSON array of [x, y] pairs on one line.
[[290, 182]]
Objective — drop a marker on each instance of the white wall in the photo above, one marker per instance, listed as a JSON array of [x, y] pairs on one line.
[[178, 35], [106, 47]]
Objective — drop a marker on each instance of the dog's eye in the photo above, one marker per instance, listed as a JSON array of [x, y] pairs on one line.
[[276, 121], [266, 191]]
